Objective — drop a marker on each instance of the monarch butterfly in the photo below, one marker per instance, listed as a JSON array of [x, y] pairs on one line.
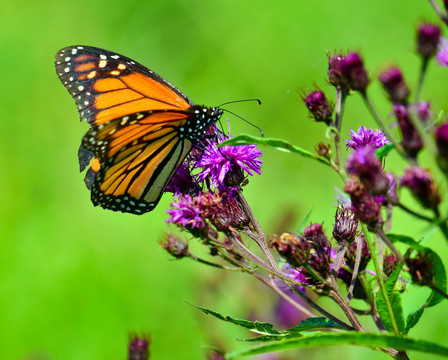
[[142, 127]]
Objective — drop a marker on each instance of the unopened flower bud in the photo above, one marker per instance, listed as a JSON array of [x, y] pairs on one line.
[[293, 248], [441, 135], [319, 108], [346, 225], [412, 142], [138, 348], [175, 246], [319, 257], [348, 72], [421, 184], [421, 268], [394, 84], [390, 263], [428, 36], [364, 164], [367, 206], [350, 254], [323, 150]]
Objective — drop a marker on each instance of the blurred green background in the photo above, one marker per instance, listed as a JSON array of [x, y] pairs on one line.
[[76, 280]]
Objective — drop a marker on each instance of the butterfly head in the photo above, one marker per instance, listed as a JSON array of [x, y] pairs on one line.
[[198, 124]]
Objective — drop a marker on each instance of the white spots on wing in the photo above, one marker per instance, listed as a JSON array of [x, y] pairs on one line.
[[140, 116], [74, 51], [114, 57], [80, 88], [91, 74], [115, 73], [80, 47], [124, 120], [103, 57], [102, 63], [67, 69], [67, 58], [121, 66]]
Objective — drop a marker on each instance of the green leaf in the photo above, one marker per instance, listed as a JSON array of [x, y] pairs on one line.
[[305, 221], [278, 144], [384, 150], [255, 326], [395, 301], [315, 323], [318, 339], [440, 279]]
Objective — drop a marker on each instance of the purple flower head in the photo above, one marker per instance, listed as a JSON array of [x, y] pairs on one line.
[[394, 84], [428, 36], [364, 164], [348, 72], [138, 348], [366, 137], [318, 105], [225, 165], [182, 181], [175, 246], [411, 141], [367, 206], [442, 52], [420, 182], [423, 110], [293, 274], [392, 196], [441, 134], [295, 249], [187, 212]]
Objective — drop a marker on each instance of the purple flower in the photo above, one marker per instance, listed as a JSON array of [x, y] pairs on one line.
[[138, 348], [182, 181], [187, 212], [364, 164], [442, 52], [293, 274], [366, 137], [225, 165]]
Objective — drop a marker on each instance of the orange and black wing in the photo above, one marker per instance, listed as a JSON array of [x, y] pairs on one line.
[[133, 146], [136, 155], [107, 86]]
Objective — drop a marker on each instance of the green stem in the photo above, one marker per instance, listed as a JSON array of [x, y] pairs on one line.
[[413, 213], [442, 223], [380, 280], [421, 77], [341, 95]]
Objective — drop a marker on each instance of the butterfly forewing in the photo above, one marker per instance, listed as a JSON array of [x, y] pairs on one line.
[[106, 85]]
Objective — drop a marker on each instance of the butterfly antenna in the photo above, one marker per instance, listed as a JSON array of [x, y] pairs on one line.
[[255, 126], [237, 101]]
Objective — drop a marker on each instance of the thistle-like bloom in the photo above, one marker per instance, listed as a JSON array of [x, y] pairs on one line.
[[394, 84], [319, 107], [366, 137], [225, 165], [187, 212], [441, 135], [442, 52], [364, 164], [420, 182], [350, 254], [421, 268], [345, 225], [428, 36], [348, 72], [411, 141]]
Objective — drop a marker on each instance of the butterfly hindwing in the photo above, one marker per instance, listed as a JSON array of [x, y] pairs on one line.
[[138, 154]]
